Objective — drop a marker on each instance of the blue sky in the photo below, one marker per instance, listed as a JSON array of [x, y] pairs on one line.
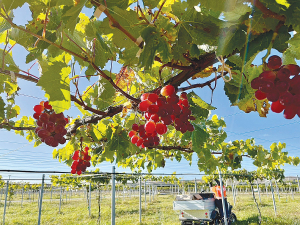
[[17, 153]]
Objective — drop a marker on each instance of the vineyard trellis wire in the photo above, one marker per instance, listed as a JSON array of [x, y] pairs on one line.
[[151, 186]]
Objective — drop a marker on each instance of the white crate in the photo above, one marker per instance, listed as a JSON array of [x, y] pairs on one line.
[[195, 215], [208, 204]]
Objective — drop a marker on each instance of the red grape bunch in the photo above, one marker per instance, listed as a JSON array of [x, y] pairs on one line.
[[281, 86], [81, 161], [51, 126], [161, 110]]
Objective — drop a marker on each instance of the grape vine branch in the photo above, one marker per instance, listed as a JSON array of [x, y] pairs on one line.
[[143, 114]]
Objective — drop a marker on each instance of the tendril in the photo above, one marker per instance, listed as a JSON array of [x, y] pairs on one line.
[[224, 68]]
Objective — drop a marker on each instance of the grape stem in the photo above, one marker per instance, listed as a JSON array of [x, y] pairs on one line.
[[143, 15], [85, 58], [4, 53], [267, 12], [117, 25], [207, 83], [75, 43], [111, 111], [160, 8], [28, 77], [5, 125], [31, 78], [168, 148], [188, 150], [81, 103], [197, 65], [280, 24]]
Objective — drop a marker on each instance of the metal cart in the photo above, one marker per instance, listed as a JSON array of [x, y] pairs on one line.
[[199, 208]]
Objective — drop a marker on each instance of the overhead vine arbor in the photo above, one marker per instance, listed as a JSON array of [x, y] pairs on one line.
[[132, 116]]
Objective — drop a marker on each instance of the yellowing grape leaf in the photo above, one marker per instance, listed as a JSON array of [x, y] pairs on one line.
[[84, 20], [283, 2], [250, 103], [204, 73]]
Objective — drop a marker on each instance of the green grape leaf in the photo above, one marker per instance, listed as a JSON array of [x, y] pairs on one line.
[[283, 36], [12, 111], [129, 120], [34, 53], [4, 25], [129, 56], [239, 88], [237, 60], [90, 71], [2, 108], [200, 28], [261, 155], [219, 5], [294, 45], [199, 136], [10, 5], [217, 122], [159, 161], [232, 38], [253, 72], [6, 85], [77, 37], [261, 24], [98, 131], [296, 161], [186, 138], [102, 95], [288, 57], [8, 61], [51, 36], [102, 52], [164, 24], [293, 16], [151, 3], [70, 17], [195, 51], [203, 28], [193, 98], [118, 142], [199, 108], [22, 37], [56, 83], [122, 4], [182, 45], [154, 44], [128, 20], [237, 12], [257, 44]]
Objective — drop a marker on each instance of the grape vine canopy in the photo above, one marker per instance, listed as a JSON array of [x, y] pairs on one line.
[[157, 43]]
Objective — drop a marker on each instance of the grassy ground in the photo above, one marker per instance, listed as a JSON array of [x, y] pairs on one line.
[[287, 209], [159, 211]]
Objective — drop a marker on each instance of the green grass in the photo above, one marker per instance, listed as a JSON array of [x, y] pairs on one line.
[[159, 211], [287, 209]]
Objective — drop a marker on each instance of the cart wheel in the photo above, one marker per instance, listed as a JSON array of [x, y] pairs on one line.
[[232, 218], [216, 222], [186, 223]]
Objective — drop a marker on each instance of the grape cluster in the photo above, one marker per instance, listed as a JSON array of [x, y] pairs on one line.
[[81, 161], [281, 86], [161, 110], [51, 126]]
